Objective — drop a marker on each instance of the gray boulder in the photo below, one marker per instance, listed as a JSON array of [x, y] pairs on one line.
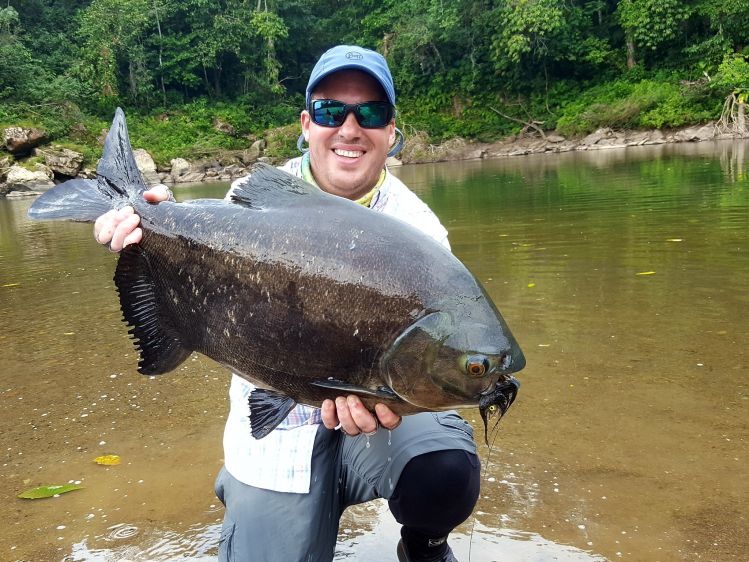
[[656, 137], [5, 163], [21, 179], [147, 166], [192, 177], [251, 155], [696, 133], [600, 134], [180, 167], [62, 161], [20, 140]]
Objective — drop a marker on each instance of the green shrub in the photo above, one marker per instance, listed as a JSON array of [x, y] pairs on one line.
[[649, 103]]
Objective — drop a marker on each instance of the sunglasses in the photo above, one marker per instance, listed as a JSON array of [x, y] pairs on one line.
[[369, 114]]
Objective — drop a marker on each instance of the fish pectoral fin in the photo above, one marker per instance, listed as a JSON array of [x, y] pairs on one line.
[[157, 340], [268, 408], [383, 392], [268, 187]]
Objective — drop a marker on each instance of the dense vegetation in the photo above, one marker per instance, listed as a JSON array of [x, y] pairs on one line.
[[477, 69]]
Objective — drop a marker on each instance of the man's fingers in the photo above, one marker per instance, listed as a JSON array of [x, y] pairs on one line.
[[106, 224], [388, 418], [348, 425], [133, 238], [123, 229], [103, 221], [352, 417], [157, 194], [362, 417], [329, 414]]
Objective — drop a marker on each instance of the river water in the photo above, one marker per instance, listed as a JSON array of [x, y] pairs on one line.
[[624, 275]]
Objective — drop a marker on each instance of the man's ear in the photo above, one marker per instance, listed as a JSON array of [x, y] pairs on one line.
[[305, 120], [391, 136]]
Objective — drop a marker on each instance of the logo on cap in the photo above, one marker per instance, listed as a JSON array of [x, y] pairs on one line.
[[353, 55]]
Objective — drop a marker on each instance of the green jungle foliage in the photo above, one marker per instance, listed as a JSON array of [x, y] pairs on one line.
[[475, 69]]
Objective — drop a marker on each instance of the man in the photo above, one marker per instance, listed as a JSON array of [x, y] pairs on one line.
[[284, 494]]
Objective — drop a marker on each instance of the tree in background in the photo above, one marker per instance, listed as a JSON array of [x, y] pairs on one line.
[[112, 36], [733, 75], [649, 24]]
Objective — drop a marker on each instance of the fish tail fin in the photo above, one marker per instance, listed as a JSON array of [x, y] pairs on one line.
[[76, 200], [158, 342], [118, 181]]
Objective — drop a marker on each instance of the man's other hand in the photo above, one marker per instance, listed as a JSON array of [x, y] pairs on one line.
[[354, 418], [119, 228]]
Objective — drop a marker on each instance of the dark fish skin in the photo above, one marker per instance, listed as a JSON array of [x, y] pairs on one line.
[[298, 291]]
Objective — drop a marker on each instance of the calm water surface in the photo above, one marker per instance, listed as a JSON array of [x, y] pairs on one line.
[[623, 274]]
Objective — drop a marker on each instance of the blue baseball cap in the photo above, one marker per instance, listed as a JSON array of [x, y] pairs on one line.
[[351, 57]]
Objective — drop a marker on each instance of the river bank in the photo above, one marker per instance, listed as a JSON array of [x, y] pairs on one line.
[[37, 167]]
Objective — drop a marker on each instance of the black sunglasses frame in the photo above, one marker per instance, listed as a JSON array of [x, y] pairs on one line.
[[356, 108]]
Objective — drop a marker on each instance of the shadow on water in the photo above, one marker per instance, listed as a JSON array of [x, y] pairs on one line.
[[624, 275]]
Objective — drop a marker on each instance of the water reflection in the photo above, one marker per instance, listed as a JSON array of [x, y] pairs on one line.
[[624, 275], [364, 530]]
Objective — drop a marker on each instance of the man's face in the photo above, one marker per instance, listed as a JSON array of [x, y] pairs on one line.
[[347, 160]]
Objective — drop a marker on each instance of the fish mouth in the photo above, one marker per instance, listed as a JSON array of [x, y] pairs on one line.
[[496, 400]]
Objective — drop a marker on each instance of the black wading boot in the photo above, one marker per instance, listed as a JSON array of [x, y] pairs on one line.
[[414, 547]]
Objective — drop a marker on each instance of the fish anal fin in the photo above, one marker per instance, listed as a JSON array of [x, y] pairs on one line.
[[268, 408], [383, 392], [268, 187], [157, 341]]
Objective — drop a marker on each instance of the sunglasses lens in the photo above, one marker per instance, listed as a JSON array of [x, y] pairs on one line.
[[370, 115], [374, 114], [328, 113]]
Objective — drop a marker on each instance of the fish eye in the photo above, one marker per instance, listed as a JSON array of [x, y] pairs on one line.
[[477, 365]]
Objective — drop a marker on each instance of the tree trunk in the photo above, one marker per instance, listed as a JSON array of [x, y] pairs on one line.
[[132, 79], [217, 80], [205, 78], [161, 49], [733, 117], [741, 119], [630, 52]]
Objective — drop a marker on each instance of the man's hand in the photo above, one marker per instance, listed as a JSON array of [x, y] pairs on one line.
[[354, 418], [119, 228]]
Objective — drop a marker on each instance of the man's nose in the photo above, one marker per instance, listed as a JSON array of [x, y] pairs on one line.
[[350, 127]]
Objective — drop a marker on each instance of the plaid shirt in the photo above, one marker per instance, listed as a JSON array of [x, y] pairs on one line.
[[282, 460]]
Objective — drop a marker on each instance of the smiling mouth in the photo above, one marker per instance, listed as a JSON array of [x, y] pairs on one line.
[[348, 153]]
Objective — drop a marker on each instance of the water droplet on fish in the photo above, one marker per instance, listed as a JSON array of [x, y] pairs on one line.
[[390, 435], [352, 246]]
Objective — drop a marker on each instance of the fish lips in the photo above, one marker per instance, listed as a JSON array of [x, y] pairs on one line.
[[497, 401]]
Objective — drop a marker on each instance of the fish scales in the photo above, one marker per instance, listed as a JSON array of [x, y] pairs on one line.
[[328, 322]]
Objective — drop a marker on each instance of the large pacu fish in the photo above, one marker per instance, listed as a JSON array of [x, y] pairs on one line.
[[307, 295]]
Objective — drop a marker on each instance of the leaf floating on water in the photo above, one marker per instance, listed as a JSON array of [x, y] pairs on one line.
[[48, 491], [11, 284], [646, 273], [108, 460], [531, 285], [68, 333], [674, 240]]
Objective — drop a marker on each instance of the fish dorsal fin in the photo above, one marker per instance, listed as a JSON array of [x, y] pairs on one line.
[[117, 168], [268, 187]]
